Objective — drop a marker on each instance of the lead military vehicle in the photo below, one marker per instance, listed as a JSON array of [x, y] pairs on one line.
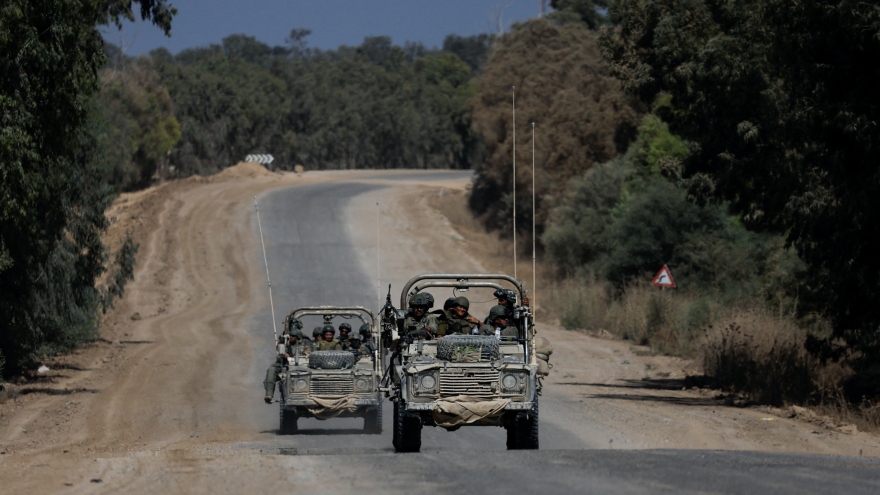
[[461, 380], [332, 384]]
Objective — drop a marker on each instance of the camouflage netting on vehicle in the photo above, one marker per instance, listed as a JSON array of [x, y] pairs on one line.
[[468, 348], [331, 360]]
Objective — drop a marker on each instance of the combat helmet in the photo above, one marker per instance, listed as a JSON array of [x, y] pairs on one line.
[[317, 331], [344, 326], [365, 330], [497, 311], [449, 304], [421, 299], [462, 301], [294, 323], [328, 328]]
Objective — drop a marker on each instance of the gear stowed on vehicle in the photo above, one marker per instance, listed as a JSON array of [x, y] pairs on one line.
[[459, 380], [332, 383]]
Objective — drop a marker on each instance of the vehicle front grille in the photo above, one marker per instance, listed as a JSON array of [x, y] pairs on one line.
[[474, 383], [332, 385]]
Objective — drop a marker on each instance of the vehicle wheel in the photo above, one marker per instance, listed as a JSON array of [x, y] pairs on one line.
[[511, 436], [527, 428], [408, 430], [394, 424], [288, 424], [373, 418]]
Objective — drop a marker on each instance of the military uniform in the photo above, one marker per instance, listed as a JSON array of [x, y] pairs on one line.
[[415, 324], [460, 324], [281, 361], [494, 326], [442, 322], [507, 333], [329, 345]]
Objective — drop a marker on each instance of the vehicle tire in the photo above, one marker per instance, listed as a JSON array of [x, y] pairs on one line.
[[452, 347], [373, 418], [511, 436], [408, 430], [527, 428], [394, 421], [288, 424], [331, 360]]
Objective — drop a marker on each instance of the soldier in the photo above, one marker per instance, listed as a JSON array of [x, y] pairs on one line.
[[317, 334], [293, 334], [499, 324], [418, 323], [443, 317], [354, 346], [329, 343], [344, 335], [461, 321], [367, 344]]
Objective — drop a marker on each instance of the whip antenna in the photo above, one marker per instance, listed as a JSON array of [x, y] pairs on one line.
[[534, 193], [266, 262], [513, 90], [378, 265]]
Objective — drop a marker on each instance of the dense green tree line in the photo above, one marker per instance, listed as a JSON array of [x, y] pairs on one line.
[[376, 105], [778, 102], [52, 193]]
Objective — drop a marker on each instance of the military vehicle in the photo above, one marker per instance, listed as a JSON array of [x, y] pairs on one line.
[[332, 384], [461, 380]]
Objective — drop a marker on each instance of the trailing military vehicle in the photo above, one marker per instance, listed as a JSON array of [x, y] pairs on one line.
[[332, 384], [460, 380]]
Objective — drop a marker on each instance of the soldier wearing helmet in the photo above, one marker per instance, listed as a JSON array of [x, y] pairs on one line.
[[329, 343], [292, 341], [443, 317], [344, 335], [499, 324], [367, 344], [460, 320], [419, 323], [318, 334]]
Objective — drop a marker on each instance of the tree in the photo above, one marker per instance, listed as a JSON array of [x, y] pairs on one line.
[[52, 199], [780, 104], [583, 117]]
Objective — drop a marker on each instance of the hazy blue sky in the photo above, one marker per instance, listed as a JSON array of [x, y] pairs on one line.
[[333, 22]]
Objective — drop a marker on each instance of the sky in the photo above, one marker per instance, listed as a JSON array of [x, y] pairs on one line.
[[333, 22]]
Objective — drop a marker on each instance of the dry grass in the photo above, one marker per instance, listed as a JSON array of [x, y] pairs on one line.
[[762, 356]]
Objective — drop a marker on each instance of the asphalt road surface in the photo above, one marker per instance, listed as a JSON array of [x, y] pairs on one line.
[[313, 261]]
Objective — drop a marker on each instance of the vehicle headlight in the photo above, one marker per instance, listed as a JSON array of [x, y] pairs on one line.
[[362, 384], [427, 382], [509, 381], [300, 385]]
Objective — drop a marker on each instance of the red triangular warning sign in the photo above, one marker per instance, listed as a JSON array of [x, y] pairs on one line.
[[663, 278]]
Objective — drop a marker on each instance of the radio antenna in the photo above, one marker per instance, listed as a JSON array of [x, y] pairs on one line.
[[513, 90], [378, 265], [266, 262], [534, 193]]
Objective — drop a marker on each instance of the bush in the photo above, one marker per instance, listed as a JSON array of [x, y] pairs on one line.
[[762, 357]]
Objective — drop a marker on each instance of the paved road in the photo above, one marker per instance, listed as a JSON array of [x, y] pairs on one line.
[[313, 261]]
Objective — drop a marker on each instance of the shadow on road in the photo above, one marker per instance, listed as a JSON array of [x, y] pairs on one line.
[[320, 431], [667, 384]]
